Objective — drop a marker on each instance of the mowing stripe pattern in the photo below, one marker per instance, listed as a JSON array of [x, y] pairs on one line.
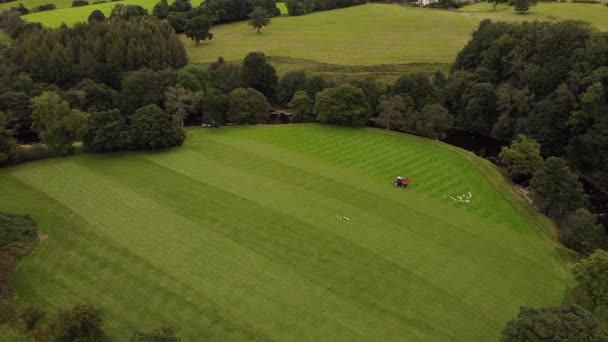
[[241, 234]]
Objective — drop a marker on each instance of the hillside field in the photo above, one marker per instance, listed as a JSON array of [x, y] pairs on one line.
[[376, 34], [73, 15], [242, 233]]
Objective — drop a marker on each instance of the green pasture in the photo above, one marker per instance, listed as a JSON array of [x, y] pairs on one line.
[[34, 3], [241, 234], [375, 34], [362, 35], [281, 6], [595, 14], [73, 15]]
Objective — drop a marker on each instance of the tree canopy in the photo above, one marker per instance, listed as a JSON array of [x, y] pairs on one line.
[[591, 276], [58, 125], [258, 74], [344, 105], [248, 106], [81, 323], [556, 190], [198, 28], [569, 323], [522, 158], [259, 18], [584, 234]]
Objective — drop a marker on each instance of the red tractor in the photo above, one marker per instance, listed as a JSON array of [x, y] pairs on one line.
[[401, 182]]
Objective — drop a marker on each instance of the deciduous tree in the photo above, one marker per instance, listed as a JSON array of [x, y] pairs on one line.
[[392, 111], [161, 9], [107, 132], [152, 128], [96, 16], [556, 190], [248, 106], [289, 84], [198, 28], [522, 158], [259, 18], [83, 323], [584, 234], [179, 103], [302, 106], [344, 105], [58, 126], [591, 276], [569, 323], [7, 143], [258, 74]]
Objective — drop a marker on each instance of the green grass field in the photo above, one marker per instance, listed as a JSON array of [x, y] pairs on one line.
[[236, 235], [375, 33], [73, 15]]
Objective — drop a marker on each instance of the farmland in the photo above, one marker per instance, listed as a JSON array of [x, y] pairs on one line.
[[71, 16], [376, 34], [374, 39], [242, 234]]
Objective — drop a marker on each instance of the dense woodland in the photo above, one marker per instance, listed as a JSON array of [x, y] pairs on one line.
[[124, 83]]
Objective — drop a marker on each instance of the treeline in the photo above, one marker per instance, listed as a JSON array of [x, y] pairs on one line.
[[180, 12], [93, 83], [300, 7], [544, 86], [98, 51], [548, 81]]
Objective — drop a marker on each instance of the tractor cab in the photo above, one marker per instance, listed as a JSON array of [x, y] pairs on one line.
[[401, 182]]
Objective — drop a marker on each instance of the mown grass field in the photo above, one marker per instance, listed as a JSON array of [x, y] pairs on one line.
[[236, 236], [376, 34]]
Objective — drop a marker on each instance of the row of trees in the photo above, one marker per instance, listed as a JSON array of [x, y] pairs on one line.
[[300, 7], [557, 192], [100, 51], [180, 12], [87, 84], [545, 80]]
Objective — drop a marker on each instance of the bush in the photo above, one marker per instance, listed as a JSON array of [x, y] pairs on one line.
[[79, 3], [83, 323], [31, 315], [18, 234], [42, 8], [21, 9]]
